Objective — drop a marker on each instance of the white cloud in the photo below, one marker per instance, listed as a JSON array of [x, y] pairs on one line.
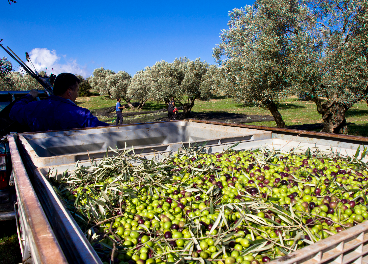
[[47, 60]]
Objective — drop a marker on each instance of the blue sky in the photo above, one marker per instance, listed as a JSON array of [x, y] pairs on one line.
[[80, 36]]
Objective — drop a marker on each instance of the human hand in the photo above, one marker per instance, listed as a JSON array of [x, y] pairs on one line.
[[34, 93]]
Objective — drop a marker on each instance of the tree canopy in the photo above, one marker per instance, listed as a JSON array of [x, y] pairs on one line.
[[118, 84], [98, 80], [191, 87], [182, 79], [140, 87], [5, 69], [331, 64], [255, 52], [24, 82]]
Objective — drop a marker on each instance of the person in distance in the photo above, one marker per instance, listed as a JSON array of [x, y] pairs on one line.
[[119, 114]]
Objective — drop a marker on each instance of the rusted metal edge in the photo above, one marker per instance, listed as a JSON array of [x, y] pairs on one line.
[[46, 244], [74, 244], [288, 130], [72, 240]]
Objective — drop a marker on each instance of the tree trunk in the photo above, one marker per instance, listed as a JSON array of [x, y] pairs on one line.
[[334, 120], [333, 114], [187, 107], [142, 103], [272, 107], [128, 103]]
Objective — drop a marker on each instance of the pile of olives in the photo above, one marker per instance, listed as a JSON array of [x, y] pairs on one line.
[[244, 207]]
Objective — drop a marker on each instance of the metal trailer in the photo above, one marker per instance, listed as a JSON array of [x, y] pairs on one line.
[[48, 233], [7, 190]]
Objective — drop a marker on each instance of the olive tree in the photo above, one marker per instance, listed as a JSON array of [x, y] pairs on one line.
[[182, 79], [192, 86], [117, 85], [23, 82], [84, 86], [332, 58], [213, 82], [140, 87], [99, 81], [166, 80], [255, 52], [5, 69]]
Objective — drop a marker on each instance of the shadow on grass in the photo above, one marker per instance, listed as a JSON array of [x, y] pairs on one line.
[[9, 245], [218, 97], [283, 106], [222, 116], [153, 106], [358, 130], [356, 112]]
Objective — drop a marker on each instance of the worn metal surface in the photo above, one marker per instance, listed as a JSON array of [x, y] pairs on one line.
[[36, 233], [72, 241], [290, 131], [66, 147], [344, 144], [282, 143], [25, 236], [71, 238]]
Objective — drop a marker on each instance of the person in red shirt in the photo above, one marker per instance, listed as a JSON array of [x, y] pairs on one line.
[[170, 108], [175, 111]]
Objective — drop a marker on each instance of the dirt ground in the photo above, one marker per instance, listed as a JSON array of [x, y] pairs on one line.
[[161, 115], [225, 117]]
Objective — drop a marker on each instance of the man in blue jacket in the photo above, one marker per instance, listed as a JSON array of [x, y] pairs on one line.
[[119, 114], [57, 112]]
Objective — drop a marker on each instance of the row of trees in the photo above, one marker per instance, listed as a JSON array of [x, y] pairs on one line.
[[271, 50], [17, 81], [184, 80]]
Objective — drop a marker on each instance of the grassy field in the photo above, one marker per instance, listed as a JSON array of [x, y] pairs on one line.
[[293, 111]]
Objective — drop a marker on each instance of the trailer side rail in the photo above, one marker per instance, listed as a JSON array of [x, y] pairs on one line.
[[38, 241]]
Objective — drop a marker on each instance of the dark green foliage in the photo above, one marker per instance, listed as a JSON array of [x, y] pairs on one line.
[[84, 89], [5, 68]]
